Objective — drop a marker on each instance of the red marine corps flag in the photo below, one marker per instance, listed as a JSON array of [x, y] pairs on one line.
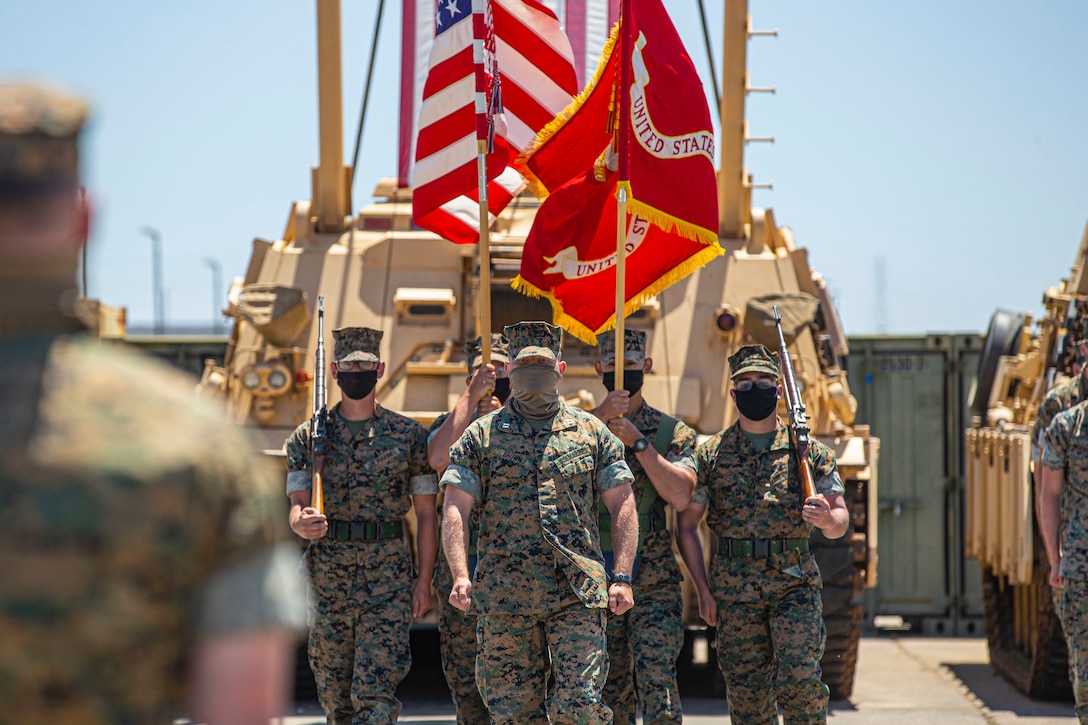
[[659, 154]]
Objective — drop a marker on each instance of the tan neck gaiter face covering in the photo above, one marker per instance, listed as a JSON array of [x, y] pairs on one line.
[[534, 391]]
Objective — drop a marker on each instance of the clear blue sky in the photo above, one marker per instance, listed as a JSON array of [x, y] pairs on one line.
[[945, 143]]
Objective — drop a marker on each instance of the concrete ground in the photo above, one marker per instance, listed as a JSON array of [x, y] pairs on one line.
[[901, 680]]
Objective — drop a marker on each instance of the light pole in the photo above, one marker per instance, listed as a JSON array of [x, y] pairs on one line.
[[217, 287], [156, 272]]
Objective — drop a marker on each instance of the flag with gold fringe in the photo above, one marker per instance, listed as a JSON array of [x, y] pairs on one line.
[[672, 203]]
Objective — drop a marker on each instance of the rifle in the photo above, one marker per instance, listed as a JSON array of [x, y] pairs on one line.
[[317, 423], [799, 429]]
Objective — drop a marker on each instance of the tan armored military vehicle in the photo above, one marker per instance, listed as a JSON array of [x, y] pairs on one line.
[[1021, 360], [375, 269]]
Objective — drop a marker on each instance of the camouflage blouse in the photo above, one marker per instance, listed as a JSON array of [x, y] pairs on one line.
[[536, 487], [658, 565], [368, 477], [753, 494], [137, 519], [1061, 396], [1066, 450]]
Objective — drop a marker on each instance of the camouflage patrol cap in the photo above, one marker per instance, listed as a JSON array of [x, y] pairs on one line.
[[474, 351], [533, 338], [634, 346], [39, 136], [356, 344], [753, 358]]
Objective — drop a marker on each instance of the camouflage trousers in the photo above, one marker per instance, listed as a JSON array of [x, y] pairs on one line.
[[513, 660], [457, 636], [643, 645], [359, 652], [1074, 608], [769, 654]]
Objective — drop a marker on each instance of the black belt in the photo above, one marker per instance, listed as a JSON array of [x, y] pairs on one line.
[[365, 530], [758, 548]]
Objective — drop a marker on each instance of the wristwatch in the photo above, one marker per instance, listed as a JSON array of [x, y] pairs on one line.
[[618, 578], [641, 444]]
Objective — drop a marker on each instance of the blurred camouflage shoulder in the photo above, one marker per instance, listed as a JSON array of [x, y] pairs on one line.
[[129, 500], [117, 411]]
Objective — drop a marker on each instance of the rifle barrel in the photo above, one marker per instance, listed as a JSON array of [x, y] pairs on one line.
[[799, 429]]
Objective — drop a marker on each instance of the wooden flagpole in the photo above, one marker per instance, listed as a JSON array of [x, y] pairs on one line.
[[623, 150]]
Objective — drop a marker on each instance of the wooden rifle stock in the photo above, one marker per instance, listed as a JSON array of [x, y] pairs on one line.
[[799, 430], [317, 495], [804, 469]]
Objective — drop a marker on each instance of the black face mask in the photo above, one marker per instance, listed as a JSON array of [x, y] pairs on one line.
[[502, 389], [757, 404], [357, 385], [632, 381]]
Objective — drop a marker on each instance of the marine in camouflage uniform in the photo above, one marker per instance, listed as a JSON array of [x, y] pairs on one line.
[[457, 630], [536, 469], [1063, 521], [644, 643], [362, 597], [139, 542], [763, 594], [1062, 396], [1066, 392]]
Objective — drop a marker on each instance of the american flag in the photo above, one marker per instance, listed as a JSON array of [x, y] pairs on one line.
[[537, 79]]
